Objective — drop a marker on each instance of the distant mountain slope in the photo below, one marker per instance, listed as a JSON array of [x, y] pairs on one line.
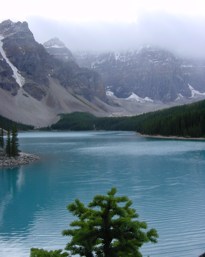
[[35, 86], [148, 72]]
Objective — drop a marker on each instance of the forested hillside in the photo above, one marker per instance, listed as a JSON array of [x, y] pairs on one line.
[[185, 121], [6, 124]]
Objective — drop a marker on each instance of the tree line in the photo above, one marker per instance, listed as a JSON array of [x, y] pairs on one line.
[[185, 121], [8, 124]]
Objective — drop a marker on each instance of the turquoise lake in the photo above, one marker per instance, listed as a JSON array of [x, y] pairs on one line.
[[165, 179]]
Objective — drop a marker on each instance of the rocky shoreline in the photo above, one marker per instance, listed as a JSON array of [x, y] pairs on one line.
[[22, 159]]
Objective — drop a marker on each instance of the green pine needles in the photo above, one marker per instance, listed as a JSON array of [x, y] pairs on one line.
[[35, 252], [11, 148], [2, 138], [107, 227]]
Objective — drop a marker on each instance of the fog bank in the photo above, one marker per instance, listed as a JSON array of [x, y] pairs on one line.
[[182, 35]]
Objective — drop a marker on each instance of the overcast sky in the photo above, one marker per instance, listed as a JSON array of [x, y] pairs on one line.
[[102, 25]]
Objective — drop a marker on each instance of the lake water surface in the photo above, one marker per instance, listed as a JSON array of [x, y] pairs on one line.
[[165, 179]]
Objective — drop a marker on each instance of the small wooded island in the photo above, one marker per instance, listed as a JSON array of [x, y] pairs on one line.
[[10, 155]]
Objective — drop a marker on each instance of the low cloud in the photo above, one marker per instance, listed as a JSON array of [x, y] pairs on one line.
[[182, 35]]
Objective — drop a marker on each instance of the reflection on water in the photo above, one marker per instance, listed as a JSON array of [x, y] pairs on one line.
[[165, 180], [20, 178]]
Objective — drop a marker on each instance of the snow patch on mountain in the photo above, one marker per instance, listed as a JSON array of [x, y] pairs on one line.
[[139, 99], [195, 93], [109, 93], [179, 97], [56, 46], [132, 97], [16, 74]]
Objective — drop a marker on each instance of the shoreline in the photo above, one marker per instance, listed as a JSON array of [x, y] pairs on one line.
[[22, 159], [172, 137]]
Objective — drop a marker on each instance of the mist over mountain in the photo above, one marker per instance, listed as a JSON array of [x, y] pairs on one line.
[[180, 34], [146, 75]]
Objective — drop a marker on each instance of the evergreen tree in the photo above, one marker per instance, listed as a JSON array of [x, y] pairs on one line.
[[35, 252], [14, 142], [107, 227], [8, 143], [2, 138]]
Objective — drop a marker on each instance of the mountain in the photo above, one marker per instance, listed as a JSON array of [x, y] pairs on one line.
[[58, 50], [148, 74], [36, 86], [39, 82]]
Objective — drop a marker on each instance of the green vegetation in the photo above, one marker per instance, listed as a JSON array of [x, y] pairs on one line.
[[75, 121], [84, 121], [1, 138], [8, 144], [106, 227], [11, 147], [6, 124], [185, 121], [14, 142], [35, 252]]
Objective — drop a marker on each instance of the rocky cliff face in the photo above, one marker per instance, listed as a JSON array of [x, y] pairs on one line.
[[25, 58], [148, 73], [35, 65], [82, 81], [27, 70]]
